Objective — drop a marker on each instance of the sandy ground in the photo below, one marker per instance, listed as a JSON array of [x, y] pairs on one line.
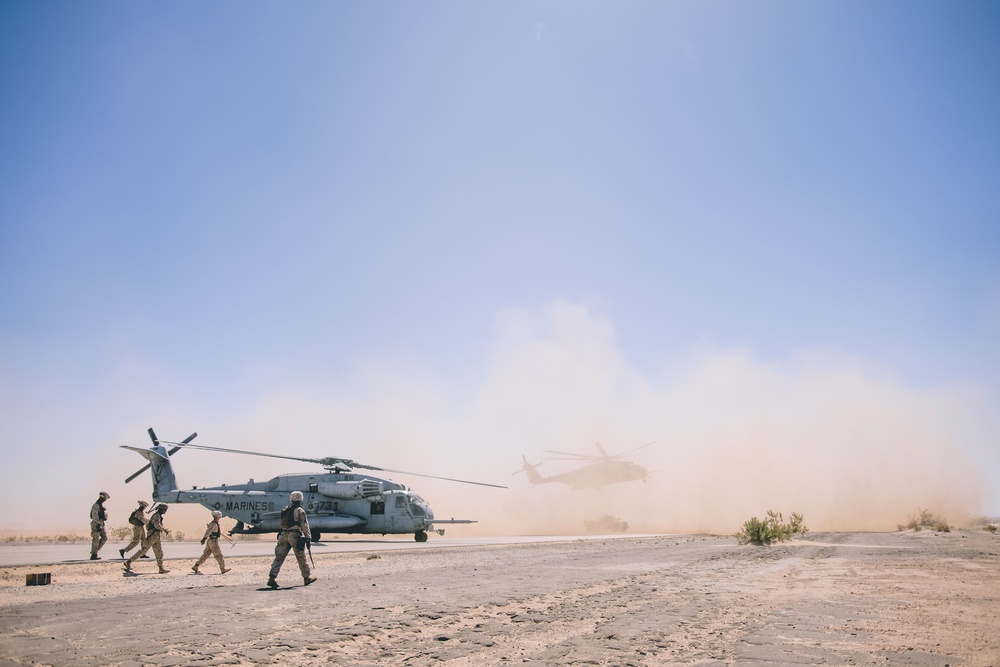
[[843, 598]]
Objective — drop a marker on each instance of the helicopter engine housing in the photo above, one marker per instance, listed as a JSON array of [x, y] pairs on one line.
[[365, 488]]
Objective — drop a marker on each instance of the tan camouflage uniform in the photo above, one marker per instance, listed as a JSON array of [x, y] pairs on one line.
[[152, 541], [288, 540], [98, 516], [211, 542], [138, 521]]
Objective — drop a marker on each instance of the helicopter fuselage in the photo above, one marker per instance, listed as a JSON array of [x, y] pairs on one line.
[[591, 476], [344, 502], [336, 501]]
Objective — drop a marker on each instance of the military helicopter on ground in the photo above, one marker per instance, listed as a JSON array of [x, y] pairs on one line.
[[601, 470], [337, 501]]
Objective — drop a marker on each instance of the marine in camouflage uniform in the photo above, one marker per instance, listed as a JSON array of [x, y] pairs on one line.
[[98, 516], [293, 536], [138, 520], [154, 529], [211, 542]]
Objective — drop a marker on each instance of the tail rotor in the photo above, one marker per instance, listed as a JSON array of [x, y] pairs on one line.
[[531, 471], [156, 443]]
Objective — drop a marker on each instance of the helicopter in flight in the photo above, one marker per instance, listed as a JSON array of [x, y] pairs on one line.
[[600, 470], [339, 500]]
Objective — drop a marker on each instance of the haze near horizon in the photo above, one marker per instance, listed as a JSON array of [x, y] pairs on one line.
[[436, 238]]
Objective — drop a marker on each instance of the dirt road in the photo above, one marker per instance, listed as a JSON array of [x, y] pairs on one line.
[[846, 598]]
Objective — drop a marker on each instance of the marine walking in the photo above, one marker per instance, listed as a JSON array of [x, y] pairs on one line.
[[98, 517], [211, 542], [138, 521], [294, 535], [154, 530]]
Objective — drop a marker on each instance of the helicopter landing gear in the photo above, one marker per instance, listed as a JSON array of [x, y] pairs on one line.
[[314, 535], [420, 536]]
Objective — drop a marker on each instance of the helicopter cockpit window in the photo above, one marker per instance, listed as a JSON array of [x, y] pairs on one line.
[[400, 502], [417, 510], [378, 507]]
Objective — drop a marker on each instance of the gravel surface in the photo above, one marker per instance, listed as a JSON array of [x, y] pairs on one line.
[[837, 598]]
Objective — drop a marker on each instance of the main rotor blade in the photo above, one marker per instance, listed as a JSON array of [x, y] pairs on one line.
[[170, 453], [246, 451], [447, 479], [603, 457], [331, 461], [573, 455], [637, 448]]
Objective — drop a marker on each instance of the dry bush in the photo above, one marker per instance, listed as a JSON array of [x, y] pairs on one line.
[[120, 533], [771, 529], [925, 519], [34, 539]]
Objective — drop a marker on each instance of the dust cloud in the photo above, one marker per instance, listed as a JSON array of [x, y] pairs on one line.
[[821, 434]]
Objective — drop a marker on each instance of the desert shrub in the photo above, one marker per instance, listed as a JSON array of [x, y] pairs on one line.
[[121, 533], [925, 519], [990, 527], [771, 529]]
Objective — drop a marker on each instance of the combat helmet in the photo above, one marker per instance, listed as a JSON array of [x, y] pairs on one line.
[[104, 495], [143, 504], [216, 514], [296, 497]]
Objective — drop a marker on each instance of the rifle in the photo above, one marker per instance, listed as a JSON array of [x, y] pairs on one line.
[[307, 543]]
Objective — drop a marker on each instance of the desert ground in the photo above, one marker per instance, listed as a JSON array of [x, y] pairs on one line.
[[906, 598]]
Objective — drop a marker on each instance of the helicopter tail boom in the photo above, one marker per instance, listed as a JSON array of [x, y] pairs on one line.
[[164, 482], [532, 471]]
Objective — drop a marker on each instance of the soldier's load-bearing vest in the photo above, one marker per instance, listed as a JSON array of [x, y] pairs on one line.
[[101, 514], [151, 528], [288, 518], [136, 518]]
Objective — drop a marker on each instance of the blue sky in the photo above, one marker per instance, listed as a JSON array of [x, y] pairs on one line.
[[379, 207]]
